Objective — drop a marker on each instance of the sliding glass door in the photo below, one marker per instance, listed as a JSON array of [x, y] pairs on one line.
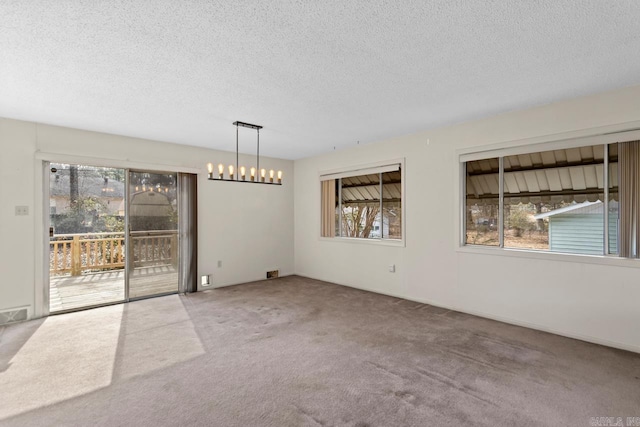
[[86, 251], [116, 235], [153, 234]]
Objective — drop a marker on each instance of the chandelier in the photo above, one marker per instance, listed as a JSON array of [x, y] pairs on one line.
[[239, 173]]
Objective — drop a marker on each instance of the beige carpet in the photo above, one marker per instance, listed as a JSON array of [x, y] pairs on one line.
[[299, 352]]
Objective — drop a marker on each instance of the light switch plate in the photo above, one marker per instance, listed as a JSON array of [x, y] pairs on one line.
[[22, 210]]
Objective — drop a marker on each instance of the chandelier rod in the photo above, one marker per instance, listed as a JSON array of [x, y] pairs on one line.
[[237, 155]]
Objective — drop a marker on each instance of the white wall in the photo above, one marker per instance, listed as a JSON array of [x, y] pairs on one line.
[[250, 227], [247, 227], [17, 180], [583, 297]]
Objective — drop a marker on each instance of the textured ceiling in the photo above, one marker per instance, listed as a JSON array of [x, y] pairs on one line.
[[315, 74]]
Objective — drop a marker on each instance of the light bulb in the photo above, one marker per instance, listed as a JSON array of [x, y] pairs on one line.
[[271, 175], [253, 174], [210, 170], [220, 171], [263, 172], [243, 172], [231, 171], [279, 177]]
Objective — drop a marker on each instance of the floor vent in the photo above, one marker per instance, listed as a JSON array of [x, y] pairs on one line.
[[11, 316], [272, 274]]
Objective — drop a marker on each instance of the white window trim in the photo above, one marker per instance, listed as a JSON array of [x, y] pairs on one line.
[[596, 136], [361, 166], [359, 172], [322, 176], [365, 241], [114, 163]]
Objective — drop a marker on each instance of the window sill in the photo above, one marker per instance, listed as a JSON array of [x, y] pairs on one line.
[[361, 241], [550, 256]]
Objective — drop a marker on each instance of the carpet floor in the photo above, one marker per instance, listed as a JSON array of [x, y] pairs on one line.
[[300, 352]]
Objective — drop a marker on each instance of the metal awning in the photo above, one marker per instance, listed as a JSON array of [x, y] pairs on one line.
[[575, 174], [366, 188]]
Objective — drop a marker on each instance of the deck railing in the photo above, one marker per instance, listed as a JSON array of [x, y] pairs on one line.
[[155, 248], [78, 253]]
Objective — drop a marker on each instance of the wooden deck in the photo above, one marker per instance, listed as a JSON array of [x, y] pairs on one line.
[[72, 292]]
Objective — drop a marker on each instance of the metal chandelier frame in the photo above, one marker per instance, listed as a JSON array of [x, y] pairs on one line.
[[239, 174]]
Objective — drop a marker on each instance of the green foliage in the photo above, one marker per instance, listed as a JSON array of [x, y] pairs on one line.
[[172, 217], [521, 220], [112, 174], [87, 215], [113, 223]]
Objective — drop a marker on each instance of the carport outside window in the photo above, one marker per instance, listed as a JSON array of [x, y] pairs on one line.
[[366, 205], [556, 200]]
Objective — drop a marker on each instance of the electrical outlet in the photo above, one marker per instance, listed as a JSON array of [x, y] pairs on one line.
[[205, 280], [22, 210], [392, 268]]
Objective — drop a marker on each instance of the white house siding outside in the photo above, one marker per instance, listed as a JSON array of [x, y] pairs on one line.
[[580, 228]]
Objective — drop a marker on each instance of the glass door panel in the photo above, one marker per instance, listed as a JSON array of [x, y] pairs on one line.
[[86, 236], [153, 234]]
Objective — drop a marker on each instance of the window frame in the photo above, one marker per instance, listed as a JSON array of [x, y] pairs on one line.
[[364, 167], [607, 135]]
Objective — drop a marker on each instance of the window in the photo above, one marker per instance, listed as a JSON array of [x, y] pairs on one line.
[[364, 203], [556, 200], [482, 206]]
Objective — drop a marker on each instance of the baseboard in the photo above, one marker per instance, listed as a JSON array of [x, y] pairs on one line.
[[537, 327], [510, 321], [226, 285], [389, 294]]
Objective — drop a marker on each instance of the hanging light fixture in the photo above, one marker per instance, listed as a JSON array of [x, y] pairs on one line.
[[237, 173]]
